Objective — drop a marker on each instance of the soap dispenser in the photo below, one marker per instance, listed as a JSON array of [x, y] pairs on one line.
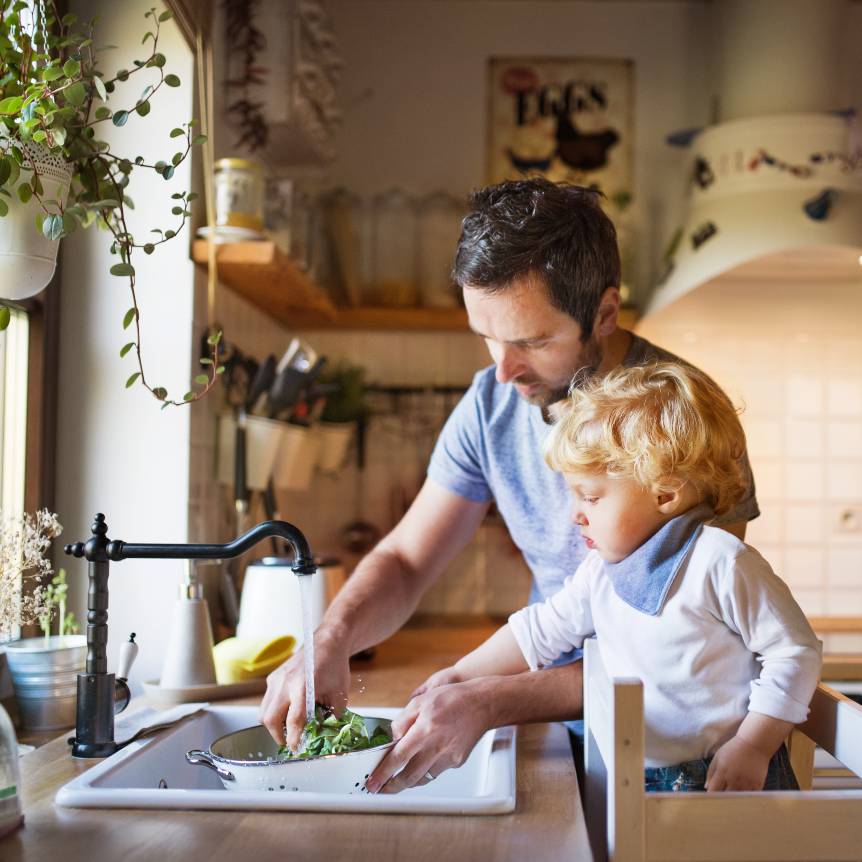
[[189, 657]]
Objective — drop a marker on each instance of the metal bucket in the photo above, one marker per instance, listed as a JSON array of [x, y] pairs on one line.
[[45, 678]]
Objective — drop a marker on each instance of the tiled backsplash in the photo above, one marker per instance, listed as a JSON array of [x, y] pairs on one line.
[[790, 355]]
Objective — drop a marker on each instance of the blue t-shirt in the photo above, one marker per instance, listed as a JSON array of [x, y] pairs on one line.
[[491, 449]]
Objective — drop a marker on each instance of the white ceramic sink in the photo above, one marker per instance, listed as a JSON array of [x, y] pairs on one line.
[[153, 773]]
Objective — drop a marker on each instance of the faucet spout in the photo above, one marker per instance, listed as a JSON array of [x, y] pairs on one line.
[[94, 728], [303, 563]]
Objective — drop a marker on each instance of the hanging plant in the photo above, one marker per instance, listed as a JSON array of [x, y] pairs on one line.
[[246, 42], [54, 100]]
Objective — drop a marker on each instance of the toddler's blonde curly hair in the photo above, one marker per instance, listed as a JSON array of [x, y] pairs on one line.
[[661, 424]]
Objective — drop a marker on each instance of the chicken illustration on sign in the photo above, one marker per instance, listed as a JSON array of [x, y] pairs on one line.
[[564, 119]]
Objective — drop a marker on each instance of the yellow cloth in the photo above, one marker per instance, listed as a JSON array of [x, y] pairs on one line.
[[237, 659]]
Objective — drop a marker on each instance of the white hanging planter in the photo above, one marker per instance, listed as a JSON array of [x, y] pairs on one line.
[[27, 257], [334, 439]]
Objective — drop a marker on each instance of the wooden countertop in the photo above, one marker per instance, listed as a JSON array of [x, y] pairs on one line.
[[547, 824]]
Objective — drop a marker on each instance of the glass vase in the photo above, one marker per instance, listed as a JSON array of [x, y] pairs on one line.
[[10, 780]]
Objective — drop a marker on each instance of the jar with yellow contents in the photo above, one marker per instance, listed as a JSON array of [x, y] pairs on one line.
[[239, 194]]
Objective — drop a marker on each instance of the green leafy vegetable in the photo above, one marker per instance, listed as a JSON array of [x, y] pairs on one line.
[[328, 734]]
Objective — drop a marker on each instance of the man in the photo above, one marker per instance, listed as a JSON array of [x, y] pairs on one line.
[[539, 268]]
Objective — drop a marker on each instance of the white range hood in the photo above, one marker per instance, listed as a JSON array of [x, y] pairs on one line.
[[768, 187]]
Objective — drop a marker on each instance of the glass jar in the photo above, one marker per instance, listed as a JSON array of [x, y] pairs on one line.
[[394, 249], [279, 212], [345, 222], [439, 219], [10, 779], [239, 194]]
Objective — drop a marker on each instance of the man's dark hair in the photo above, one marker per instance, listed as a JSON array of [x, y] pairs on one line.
[[554, 230]]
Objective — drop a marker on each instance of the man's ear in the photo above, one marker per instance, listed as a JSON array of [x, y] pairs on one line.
[[608, 313]]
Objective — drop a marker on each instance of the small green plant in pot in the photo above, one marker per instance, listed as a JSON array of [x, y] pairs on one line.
[[44, 669], [58, 174], [54, 597], [345, 406]]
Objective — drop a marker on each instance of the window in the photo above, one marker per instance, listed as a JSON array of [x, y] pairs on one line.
[[14, 360]]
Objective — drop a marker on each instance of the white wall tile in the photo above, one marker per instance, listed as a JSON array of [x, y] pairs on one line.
[[768, 528], [803, 568], [798, 364], [843, 522], [804, 396], [844, 567], [768, 478], [803, 353], [844, 396], [773, 554], [842, 642], [764, 437], [844, 480], [804, 480], [842, 354], [813, 602], [804, 524], [842, 603], [761, 396], [844, 439], [804, 437]]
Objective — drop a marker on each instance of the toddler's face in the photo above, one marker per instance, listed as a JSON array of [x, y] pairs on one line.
[[615, 514]]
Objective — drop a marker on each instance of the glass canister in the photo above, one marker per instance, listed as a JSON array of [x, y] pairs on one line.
[[239, 194], [345, 215], [394, 249], [279, 212], [10, 780], [439, 219]]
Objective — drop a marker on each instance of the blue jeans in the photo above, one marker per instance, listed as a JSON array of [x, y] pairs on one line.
[[691, 775]]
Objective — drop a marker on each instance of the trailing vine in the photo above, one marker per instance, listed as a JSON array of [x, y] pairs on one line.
[[53, 95]]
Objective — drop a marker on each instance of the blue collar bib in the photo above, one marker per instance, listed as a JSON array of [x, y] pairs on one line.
[[644, 578]]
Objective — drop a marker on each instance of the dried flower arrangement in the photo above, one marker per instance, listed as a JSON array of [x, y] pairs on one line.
[[24, 543]]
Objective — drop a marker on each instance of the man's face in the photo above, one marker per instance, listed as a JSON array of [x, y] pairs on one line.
[[535, 346]]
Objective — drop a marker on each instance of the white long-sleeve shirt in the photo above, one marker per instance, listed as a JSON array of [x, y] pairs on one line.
[[728, 639]]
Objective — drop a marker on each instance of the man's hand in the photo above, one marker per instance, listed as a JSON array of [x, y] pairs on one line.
[[284, 701], [443, 677], [436, 731], [737, 765]]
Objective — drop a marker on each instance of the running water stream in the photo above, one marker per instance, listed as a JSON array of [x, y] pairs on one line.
[[306, 598]]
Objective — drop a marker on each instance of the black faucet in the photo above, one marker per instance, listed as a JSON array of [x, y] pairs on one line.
[[98, 691]]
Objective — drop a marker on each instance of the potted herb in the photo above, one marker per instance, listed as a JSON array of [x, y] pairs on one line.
[[345, 406], [44, 669], [58, 175]]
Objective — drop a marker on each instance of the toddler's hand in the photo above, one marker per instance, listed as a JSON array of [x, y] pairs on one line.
[[442, 677], [737, 765]]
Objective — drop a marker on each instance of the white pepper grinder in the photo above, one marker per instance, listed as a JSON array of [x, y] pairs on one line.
[[189, 657]]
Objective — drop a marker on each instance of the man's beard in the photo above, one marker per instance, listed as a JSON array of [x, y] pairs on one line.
[[589, 363]]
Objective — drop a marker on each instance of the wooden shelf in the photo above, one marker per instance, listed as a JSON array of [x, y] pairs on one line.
[[267, 278], [388, 319]]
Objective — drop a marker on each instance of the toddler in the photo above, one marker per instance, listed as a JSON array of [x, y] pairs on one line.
[[727, 658]]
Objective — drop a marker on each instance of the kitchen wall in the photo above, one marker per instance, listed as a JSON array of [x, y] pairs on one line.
[[789, 353], [118, 453], [415, 90], [414, 97]]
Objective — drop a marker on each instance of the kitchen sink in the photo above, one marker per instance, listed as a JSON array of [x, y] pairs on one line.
[[153, 773]]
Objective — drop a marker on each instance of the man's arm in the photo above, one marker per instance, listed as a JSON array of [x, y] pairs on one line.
[[379, 596], [439, 728]]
